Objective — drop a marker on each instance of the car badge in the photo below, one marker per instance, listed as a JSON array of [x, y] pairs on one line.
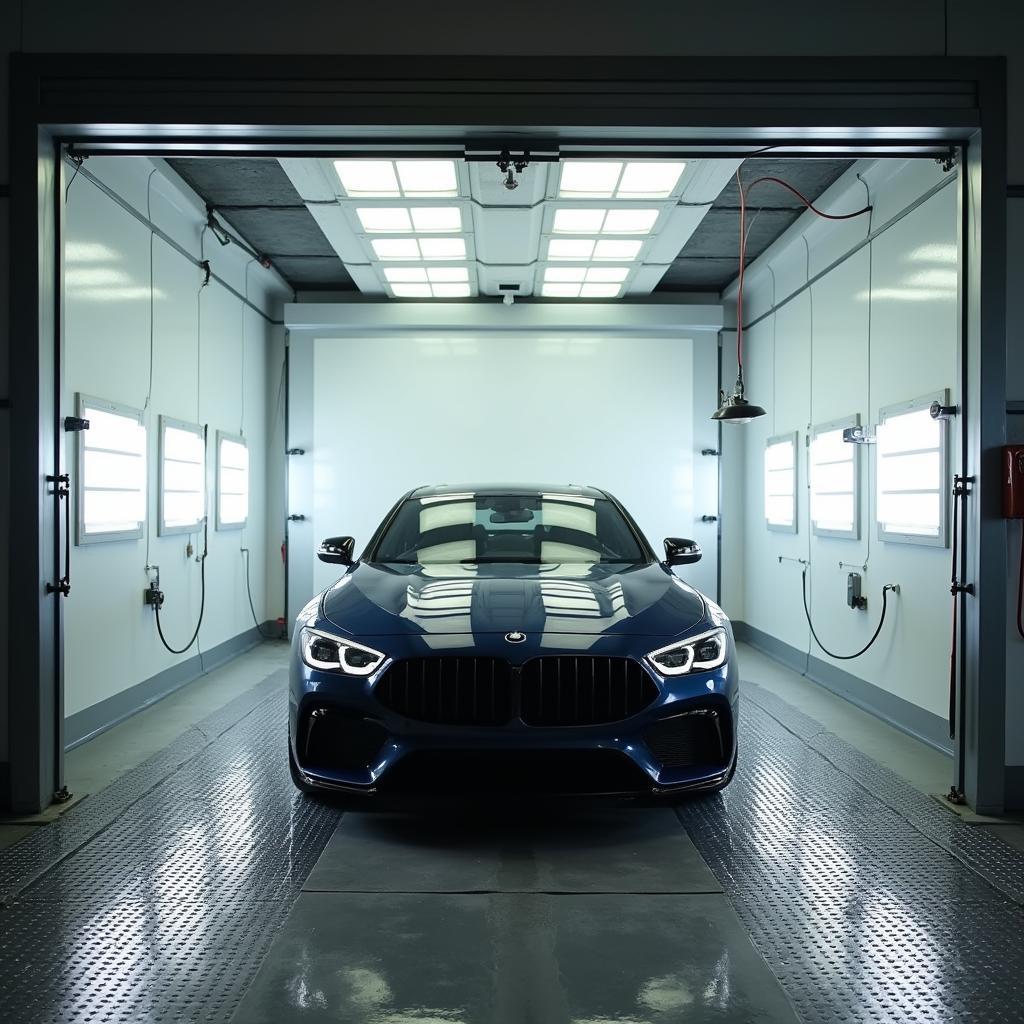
[[515, 637]]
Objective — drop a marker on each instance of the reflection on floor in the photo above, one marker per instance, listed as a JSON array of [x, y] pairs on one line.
[[158, 897]]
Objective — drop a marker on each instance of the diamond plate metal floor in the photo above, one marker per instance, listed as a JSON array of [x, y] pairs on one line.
[[157, 899], [869, 901]]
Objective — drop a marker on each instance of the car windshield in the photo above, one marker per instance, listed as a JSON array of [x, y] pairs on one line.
[[477, 529]]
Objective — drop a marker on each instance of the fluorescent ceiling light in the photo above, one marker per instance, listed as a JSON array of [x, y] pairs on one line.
[[396, 248], [401, 218], [579, 290], [447, 274], [649, 179], [629, 222], [419, 249], [428, 177], [396, 274], [443, 248], [578, 222], [565, 273], [451, 291], [570, 248], [617, 249], [607, 274], [384, 218], [437, 218], [367, 177], [589, 179], [412, 291], [594, 221], [600, 275], [560, 291]]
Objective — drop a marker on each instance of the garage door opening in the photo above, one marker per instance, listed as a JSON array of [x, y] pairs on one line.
[[271, 351]]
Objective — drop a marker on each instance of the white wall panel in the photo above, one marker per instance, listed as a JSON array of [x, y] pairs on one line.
[[612, 411], [111, 641], [818, 375]]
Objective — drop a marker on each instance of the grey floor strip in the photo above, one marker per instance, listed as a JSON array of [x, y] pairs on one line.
[[620, 851], [513, 958]]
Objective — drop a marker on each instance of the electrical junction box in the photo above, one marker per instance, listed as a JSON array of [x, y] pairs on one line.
[[854, 597], [1013, 481]]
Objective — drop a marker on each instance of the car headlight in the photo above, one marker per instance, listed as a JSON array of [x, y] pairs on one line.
[[696, 654], [328, 653]]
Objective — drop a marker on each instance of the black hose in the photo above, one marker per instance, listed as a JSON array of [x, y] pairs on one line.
[[874, 636], [252, 608], [202, 608]]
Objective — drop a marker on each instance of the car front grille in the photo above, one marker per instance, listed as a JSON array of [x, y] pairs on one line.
[[549, 691], [696, 738], [450, 690], [569, 690]]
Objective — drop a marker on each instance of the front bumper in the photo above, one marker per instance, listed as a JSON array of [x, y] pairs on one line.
[[343, 738]]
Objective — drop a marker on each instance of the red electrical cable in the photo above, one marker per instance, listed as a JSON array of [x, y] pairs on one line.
[[743, 245]]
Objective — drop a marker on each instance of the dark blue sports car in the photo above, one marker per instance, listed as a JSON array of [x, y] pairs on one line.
[[511, 639]]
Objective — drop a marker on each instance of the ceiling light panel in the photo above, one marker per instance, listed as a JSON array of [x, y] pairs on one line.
[[589, 179], [428, 177], [649, 179], [395, 179], [585, 249], [602, 221], [403, 219], [635, 179], [577, 290], [590, 275], [429, 282], [416, 249]]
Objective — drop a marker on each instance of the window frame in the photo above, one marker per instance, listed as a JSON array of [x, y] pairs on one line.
[[82, 534], [219, 524], [899, 408], [826, 428], [792, 437], [162, 530]]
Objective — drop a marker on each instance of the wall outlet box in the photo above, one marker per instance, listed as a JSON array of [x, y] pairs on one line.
[[854, 598]]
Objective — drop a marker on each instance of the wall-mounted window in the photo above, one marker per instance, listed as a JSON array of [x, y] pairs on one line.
[[835, 490], [111, 477], [913, 485], [232, 481], [182, 476], [780, 483]]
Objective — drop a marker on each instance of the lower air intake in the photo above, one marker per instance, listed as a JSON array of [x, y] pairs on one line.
[[697, 738]]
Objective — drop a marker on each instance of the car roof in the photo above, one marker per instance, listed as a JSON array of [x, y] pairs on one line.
[[434, 490]]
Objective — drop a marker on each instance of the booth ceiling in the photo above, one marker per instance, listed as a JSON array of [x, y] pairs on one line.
[[577, 229]]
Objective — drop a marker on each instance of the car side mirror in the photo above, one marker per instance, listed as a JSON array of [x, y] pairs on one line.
[[680, 551], [337, 550]]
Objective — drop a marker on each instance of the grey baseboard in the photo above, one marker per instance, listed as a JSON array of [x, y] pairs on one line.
[[91, 721], [897, 712]]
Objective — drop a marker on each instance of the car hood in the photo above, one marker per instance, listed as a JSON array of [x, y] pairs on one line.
[[382, 600]]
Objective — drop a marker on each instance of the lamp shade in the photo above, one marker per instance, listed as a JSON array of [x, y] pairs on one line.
[[736, 409]]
